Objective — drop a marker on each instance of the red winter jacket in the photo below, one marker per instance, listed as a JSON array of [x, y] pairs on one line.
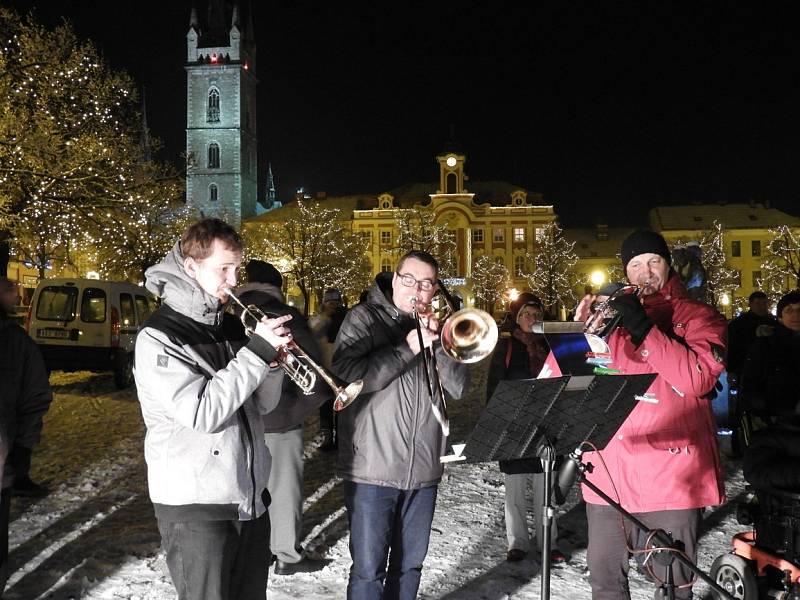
[[665, 456]]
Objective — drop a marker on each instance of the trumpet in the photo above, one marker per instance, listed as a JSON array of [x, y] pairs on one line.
[[604, 319], [468, 335], [297, 364]]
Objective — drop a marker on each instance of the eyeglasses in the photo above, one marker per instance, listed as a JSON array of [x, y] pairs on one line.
[[426, 285]]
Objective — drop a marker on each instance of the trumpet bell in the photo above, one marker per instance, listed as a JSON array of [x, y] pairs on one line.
[[345, 396], [469, 335]]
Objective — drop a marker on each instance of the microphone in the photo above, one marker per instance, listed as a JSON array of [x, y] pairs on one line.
[[567, 475], [557, 327]]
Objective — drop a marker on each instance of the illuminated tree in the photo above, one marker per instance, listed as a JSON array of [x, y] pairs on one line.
[[553, 278], [314, 246], [490, 280], [780, 269], [417, 230], [68, 131], [721, 279]]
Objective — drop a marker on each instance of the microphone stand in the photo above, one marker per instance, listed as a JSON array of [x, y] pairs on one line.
[[547, 456], [661, 537]]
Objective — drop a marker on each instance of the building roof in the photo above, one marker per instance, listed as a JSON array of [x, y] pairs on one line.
[[732, 216], [496, 193], [598, 242]]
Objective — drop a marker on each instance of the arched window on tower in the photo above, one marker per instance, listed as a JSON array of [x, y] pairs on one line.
[[452, 183], [213, 156], [213, 192], [212, 114]]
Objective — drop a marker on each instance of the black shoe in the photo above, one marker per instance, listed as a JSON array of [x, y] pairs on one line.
[[24, 487], [305, 565], [515, 555]]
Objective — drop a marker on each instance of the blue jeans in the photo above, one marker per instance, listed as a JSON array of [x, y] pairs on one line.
[[387, 524]]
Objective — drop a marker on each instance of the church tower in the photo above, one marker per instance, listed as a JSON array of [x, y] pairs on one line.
[[221, 145]]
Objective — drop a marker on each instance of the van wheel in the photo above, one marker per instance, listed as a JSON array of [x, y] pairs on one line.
[[123, 370]]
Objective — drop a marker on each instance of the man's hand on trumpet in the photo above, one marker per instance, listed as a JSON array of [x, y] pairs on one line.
[[584, 308], [274, 331]]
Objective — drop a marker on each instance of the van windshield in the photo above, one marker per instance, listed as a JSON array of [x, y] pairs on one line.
[[57, 303]]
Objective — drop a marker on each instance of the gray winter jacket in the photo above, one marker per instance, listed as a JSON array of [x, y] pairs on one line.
[[202, 388], [389, 435]]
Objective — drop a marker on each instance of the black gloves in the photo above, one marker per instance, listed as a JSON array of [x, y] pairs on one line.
[[633, 317]]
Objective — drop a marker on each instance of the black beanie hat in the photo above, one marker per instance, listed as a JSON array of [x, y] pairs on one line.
[[523, 299], [259, 271], [644, 241], [792, 297]]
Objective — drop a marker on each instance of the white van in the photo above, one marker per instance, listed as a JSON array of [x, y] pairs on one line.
[[88, 324]]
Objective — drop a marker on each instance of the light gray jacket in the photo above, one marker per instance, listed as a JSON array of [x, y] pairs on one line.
[[202, 389], [389, 435]]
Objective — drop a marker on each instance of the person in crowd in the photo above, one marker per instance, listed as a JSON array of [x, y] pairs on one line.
[[203, 387], [390, 438], [663, 463], [283, 426], [325, 326], [25, 396], [744, 329], [521, 354], [769, 387]]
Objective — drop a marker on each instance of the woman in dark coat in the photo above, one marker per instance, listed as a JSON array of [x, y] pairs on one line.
[[520, 354]]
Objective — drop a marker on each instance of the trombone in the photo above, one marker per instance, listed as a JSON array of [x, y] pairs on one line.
[[299, 366], [467, 336]]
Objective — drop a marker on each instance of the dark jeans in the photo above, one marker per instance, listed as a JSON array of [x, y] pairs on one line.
[[608, 554], [387, 524], [218, 560], [5, 505]]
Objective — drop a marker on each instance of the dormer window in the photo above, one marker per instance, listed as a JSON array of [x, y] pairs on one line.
[[212, 114]]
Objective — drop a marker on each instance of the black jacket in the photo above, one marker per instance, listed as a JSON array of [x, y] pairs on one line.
[[771, 375], [25, 396], [741, 336], [294, 405], [773, 457]]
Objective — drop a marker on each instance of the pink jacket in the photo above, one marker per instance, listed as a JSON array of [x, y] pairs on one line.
[[665, 456]]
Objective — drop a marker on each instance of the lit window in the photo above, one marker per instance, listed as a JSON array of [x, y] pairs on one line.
[[213, 192], [386, 237], [519, 234], [541, 232], [213, 156], [498, 235], [755, 247], [212, 114], [477, 236]]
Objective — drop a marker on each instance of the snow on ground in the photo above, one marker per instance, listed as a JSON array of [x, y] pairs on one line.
[[94, 537]]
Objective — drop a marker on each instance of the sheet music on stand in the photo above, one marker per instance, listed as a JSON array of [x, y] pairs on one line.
[[565, 410]]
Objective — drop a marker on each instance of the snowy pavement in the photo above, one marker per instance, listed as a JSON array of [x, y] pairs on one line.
[[94, 537]]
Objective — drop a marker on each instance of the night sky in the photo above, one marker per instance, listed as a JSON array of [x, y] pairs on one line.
[[607, 108]]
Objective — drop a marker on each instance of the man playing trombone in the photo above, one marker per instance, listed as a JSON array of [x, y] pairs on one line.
[[392, 437]]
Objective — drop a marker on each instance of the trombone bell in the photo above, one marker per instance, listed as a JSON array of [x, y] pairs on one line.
[[469, 335]]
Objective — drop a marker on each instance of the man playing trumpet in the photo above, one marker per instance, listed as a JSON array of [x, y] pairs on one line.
[[390, 439], [202, 387]]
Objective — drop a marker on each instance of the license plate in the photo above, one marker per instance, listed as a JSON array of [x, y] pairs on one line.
[[57, 334]]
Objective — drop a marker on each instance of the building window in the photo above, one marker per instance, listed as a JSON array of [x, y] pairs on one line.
[[540, 233], [212, 114], [499, 260], [366, 236], [519, 266], [756, 279], [386, 237], [213, 192], [213, 156], [498, 235], [477, 236], [519, 234], [386, 265], [736, 248], [755, 247], [452, 183]]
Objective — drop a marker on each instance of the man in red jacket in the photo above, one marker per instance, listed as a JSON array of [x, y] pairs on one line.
[[662, 464]]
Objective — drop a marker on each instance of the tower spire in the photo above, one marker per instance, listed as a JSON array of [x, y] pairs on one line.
[[144, 135]]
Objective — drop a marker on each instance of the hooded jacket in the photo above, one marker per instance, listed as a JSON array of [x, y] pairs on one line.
[[25, 393], [202, 388], [294, 405], [664, 456], [389, 435]]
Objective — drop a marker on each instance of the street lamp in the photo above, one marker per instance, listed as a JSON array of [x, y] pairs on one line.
[[597, 278], [513, 294]]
